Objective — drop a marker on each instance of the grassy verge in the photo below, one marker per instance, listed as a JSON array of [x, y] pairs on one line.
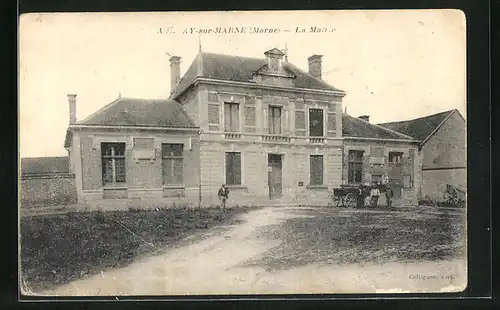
[[340, 237], [56, 249]]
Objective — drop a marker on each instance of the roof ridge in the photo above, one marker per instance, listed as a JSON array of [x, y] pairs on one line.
[[61, 156], [382, 127], [420, 118], [439, 126], [310, 75], [234, 56], [109, 105]]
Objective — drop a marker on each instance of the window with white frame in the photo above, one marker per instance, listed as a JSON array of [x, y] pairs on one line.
[[173, 165], [233, 168], [231, 116], [274, 120], [316, 170], [113, 163]]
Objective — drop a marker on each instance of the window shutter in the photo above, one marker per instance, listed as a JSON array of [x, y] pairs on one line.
[[249, 113], [237, 168], [227, 117], [331, 120], [286, 120], [265, 115], [365, 167], [213, 117]]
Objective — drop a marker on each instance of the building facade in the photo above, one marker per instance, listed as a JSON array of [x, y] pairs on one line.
[[443, 151], [271, 132]]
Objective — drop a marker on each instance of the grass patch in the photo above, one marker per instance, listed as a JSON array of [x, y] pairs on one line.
[[56, 249], [340, 237]]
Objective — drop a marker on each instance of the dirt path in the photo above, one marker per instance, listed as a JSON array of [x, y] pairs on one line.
[[211, 267]]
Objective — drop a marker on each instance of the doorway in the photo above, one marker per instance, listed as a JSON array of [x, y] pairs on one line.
[[396, 185], [274, 168]]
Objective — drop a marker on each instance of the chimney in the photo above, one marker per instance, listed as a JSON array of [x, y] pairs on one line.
[[72, 108], [366, 118], [175, 72], [315, 65]]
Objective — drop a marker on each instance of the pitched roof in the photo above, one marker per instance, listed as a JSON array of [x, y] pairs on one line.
[[240, 69], [356, 127], [420, 128], [141, 112], [42, 165]]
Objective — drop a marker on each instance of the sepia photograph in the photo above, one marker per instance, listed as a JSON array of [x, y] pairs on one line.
[[242, 153]]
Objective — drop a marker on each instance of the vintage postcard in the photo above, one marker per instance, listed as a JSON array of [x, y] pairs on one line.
[[283, 152]]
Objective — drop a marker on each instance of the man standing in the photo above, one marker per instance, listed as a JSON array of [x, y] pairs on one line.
[[388, 195], [223, 194], [375, 193], [361, 197]]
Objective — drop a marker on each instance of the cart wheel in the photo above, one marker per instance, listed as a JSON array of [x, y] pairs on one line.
[[350, 200], [337, 201]]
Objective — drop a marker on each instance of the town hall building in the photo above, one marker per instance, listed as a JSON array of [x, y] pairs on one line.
[[273, 133]]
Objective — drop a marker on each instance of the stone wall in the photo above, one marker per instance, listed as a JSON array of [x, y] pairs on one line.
[[47, 190]]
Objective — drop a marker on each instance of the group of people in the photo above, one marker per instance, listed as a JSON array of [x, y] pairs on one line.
[[374, 195], [223, 194]]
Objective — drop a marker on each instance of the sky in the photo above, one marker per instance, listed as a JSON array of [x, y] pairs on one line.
[[393, 65]]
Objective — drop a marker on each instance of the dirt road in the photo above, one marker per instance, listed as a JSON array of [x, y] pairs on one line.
[[210, 266]]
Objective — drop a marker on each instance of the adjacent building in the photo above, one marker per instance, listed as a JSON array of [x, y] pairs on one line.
[[443, 148], [272, 132]]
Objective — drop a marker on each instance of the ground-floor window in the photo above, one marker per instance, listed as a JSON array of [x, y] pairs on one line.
[[376, 179], [316, 170], [113, 163], [233, 168], [173, 166]]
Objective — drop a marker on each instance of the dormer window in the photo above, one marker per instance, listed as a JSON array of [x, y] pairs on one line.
[[274, 60], [275, 64]]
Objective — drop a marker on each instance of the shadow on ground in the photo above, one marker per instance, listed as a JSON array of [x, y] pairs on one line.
[[335, 236]]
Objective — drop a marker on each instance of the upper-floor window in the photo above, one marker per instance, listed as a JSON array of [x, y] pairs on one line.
[[355, 166], [113, 163], [231, 116], [395, 157], [275, 120], [316, 123]]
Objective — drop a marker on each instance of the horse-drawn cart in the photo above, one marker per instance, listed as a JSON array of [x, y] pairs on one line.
[[347, 195]]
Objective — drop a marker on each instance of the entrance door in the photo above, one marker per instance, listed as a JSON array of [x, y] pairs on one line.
[[274, 176], [396, 186]]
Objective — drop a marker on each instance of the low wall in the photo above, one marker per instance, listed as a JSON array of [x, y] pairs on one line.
[[42, 190]]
